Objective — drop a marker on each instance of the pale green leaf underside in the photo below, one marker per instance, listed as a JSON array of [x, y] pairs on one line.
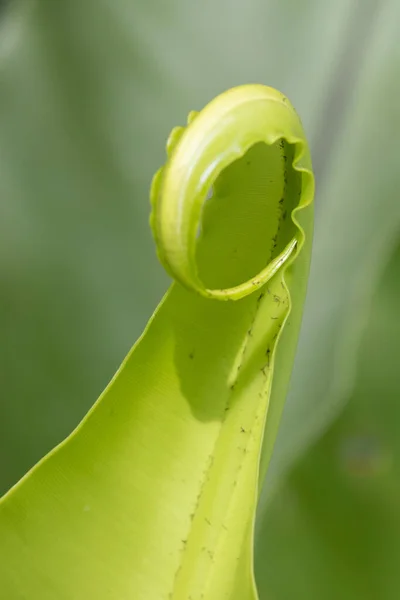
[[153, 495]]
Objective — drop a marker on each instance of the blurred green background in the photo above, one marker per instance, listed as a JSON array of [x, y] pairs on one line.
[[88, 94]]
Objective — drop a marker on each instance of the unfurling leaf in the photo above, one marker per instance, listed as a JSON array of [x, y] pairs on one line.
[[153, 496]]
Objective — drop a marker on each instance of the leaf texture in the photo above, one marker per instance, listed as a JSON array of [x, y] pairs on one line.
[[154, 494]]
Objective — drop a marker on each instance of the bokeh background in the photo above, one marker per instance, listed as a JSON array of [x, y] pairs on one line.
[[88, 94]]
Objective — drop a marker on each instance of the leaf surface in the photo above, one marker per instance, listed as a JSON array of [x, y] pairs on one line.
[[89, 91], [154, 494]]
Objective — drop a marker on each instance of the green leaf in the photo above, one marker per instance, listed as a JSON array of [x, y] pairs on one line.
[[89, 91], [154, 494]]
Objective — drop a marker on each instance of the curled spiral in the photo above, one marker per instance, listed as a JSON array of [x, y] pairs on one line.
[[198, 153]]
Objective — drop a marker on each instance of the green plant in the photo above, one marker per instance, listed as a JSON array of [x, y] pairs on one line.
[[154, 494], [89, 90]]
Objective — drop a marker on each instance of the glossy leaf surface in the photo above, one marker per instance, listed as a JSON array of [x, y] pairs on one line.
[[84, 82], [164, 469], [89, 93]]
